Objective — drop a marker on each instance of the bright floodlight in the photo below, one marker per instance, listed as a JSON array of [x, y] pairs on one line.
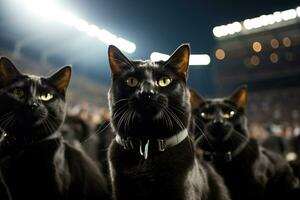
[[49, 9], [298, 11], [257, 22], [195, 59]]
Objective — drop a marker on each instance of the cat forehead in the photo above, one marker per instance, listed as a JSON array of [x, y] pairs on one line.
[[147, 64], [27, 80], [218, 102], [33, 78]]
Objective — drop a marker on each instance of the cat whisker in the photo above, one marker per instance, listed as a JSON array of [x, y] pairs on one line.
[[121, 119], [120, 100], [6, 115], [5, 122], [128, 120], [118, 111], [175, 118], [113, 117], [242, 139], [100, 129], [168, 119], [180, 110], [203, 134]]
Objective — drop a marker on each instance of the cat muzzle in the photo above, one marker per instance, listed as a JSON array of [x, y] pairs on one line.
[[219, 131]]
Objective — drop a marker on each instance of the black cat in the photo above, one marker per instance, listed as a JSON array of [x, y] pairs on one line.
[[249, 171], [152, 156], [34, 160]]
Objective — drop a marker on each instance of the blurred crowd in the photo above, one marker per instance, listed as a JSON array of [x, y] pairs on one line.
[[273, 119]]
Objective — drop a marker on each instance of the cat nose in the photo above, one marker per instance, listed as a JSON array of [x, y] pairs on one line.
[[146, 94], [218, 120], [33, 105], [146, 91]]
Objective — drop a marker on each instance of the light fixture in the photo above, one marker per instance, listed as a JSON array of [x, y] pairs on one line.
[[256, 46], [255, 23], [254, 60], [274, 43], [195, 59], [274, 57], [49, 9], [287, 42], [220, 54]]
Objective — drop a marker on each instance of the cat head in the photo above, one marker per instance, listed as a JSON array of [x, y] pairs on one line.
[[220, 122], [32, 107], [149, 99]]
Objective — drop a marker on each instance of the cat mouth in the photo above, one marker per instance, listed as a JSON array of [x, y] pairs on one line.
[[219, 132], [33, 119]]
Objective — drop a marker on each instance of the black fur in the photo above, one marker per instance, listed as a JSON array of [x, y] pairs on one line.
[[146, 111], [250, 172], [34, 160]]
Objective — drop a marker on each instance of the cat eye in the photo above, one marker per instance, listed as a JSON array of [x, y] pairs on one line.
[[229, 114], [164, 81], [45, 97], [205, 115], [18, 93], [132, 82]]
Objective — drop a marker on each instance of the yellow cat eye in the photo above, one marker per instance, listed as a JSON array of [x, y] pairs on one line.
[[132, 82], [229, 114], [164, 81], [45, 97], [18, 93]]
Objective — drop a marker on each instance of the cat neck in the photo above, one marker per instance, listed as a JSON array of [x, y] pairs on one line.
[[225, 156], [10, 144], [143, 144]]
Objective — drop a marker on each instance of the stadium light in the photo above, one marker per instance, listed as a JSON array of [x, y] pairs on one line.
[[298, 11], [255, 23], [50, 9], [195, 59]]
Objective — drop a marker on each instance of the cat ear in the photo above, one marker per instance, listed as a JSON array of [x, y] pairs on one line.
[[117, 60], [239, 97], [8, 71], [196, 100], [179, 60], [61, 79]]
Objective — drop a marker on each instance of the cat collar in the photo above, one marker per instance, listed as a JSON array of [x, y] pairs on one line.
[[12, 144], [162, 144], [227, 156]]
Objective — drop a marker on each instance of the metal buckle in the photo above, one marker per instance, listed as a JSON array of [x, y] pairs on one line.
[[228, 156], [161, 145]]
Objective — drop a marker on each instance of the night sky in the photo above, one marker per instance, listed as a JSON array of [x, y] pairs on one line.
[[156, 25], [161, 25]]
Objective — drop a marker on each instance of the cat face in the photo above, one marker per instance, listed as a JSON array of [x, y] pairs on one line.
[[31, 106], [147, 95], [220, 122]]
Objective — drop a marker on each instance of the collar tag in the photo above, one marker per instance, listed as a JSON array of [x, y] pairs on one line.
[[3, 134], [145, 151]]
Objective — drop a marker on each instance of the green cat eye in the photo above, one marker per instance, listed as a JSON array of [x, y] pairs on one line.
[[164, 81], [229, 114], [45, 97], [132, 82], [18, 93]]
